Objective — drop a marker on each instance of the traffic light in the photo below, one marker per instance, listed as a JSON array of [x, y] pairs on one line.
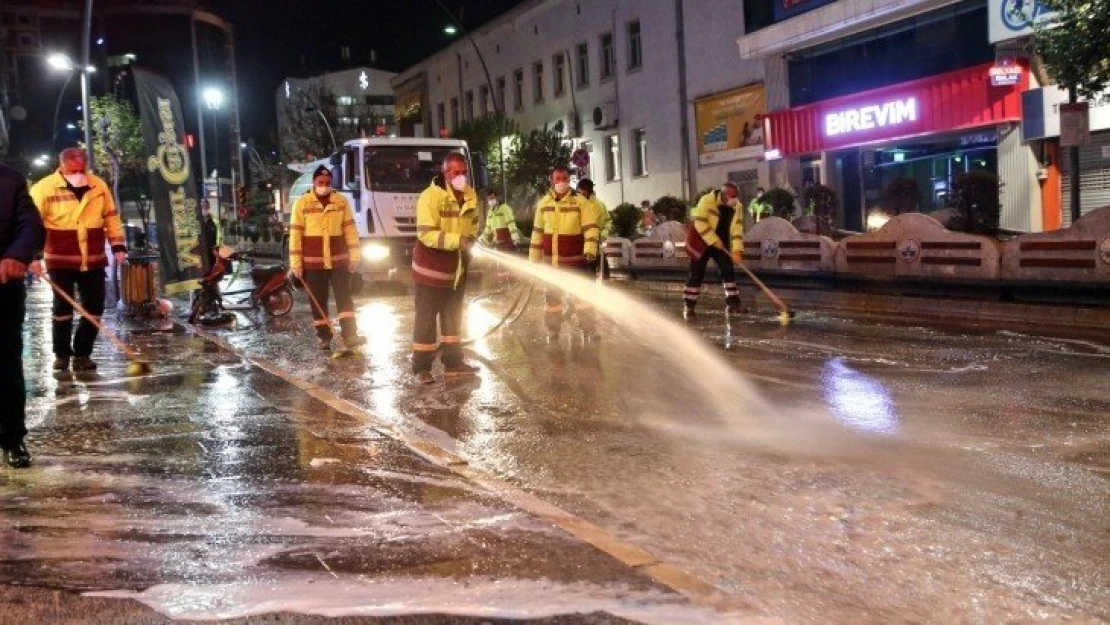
[[241, 194]]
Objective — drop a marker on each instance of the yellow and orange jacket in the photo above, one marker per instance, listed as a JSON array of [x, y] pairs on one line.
[[77, 230], [565, 231], [705, 229], [441, 223], [322, 237]]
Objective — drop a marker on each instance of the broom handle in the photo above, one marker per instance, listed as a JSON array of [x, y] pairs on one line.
[[315, 302], [774, 298], [91, 319]]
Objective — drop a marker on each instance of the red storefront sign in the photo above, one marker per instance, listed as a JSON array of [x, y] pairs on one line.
[[953, 101]]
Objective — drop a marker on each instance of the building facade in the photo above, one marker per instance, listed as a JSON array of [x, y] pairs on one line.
[[357, 102], [653, 92], [910, 93]]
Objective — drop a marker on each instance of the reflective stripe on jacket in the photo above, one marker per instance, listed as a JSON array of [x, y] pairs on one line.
[[322, 237], [441, 224], [702, 230], [76, 230], [501, 227], [565, 230]]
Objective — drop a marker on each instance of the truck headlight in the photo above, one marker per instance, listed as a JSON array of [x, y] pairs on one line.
[[375, 251]]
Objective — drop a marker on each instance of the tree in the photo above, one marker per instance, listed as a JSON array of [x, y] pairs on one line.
[[118, 144], [305, 135], [1074, 43], [484, 135], [529, 164]]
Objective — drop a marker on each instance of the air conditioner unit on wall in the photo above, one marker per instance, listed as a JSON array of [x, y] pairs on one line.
[[605, 115]]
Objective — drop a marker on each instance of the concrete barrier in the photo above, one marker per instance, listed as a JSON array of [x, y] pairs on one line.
[[618, 253], [652, 254], [1078, 253], [775, 243], [916, 245]]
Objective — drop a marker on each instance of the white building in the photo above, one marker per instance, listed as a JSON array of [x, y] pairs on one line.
[[358, 101], [615, 78]]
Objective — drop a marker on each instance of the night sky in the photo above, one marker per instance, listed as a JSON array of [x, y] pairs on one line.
[[279, 38]]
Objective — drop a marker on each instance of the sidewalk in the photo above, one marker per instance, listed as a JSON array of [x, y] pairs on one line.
[[212, 489]]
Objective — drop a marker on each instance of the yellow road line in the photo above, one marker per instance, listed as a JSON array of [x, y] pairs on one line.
[[699, 591]]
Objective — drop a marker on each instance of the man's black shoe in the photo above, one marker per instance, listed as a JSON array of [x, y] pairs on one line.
[[83, 363], [689, 313], [61, 363], [17, 456]]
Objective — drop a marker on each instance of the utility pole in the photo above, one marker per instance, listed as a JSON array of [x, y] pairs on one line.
[[86, 54], [1073, 167]]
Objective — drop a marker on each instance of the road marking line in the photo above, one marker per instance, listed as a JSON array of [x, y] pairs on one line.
[[697, 590]]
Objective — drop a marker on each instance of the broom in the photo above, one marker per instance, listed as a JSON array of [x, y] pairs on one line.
[[135, 365]]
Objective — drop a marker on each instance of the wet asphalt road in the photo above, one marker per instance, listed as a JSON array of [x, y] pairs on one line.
[[909, 474]]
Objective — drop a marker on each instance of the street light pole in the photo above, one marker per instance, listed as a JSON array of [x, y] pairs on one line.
[[334, 145], [58, 108], [86, 53]]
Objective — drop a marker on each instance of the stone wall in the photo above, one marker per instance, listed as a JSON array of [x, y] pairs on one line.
[[1079, 253], [916, 245], [776, 244]]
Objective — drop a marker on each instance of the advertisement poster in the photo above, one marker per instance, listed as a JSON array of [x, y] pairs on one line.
[[729, 125], [171, 182]]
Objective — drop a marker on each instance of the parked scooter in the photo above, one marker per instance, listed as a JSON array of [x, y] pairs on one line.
[[271, 290]]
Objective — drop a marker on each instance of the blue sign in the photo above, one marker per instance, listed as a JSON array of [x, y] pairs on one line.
[[786, 9]]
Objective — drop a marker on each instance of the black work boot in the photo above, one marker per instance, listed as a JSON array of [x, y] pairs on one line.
[[736, 309], [61, 363], [16, 456], [83, 363], [689, 313], [325, 343]]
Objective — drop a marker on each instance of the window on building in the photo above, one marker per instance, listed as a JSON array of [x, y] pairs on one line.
[[441, 118], [635, 48], [612, 158], [469, 106], [537, 82], [559, 70], [582, 52], [639, 156], [345, 100], [608, 56], [518, 90], [587, 171], [454, 114], [483, 100], [500, 103]]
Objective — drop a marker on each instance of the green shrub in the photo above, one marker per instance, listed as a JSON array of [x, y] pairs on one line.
[[821, 202], [901, 196], [626, 218], [670, 208], [781, 202], [975, 198]]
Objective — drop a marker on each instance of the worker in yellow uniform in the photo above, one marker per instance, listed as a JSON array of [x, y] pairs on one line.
[[604, 221], [501, 231], [80, 216], [323, 253], [565, 235], [715, 233], [446, 228]]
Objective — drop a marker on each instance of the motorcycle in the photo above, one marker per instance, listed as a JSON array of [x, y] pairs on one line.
[[270, 290]]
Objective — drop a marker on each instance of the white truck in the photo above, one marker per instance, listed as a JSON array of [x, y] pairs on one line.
[[382, 178]]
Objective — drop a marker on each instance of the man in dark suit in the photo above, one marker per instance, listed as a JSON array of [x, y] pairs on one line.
[[21, 238]]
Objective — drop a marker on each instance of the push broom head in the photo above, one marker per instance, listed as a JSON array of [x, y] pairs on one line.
[[136, 368], [786, 317]]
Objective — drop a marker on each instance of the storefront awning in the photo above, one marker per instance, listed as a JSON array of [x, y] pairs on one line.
[[952, 101]]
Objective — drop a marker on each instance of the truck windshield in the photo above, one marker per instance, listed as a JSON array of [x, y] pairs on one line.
[[403, 169]]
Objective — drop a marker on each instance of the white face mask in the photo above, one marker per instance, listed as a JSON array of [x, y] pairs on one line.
[[77, 180], [491, 203], [562, 187], [323, 189], [458, 183]]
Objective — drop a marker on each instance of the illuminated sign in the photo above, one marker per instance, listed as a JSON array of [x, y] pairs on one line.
[[870, 117], [1005, 73], [363, 81]]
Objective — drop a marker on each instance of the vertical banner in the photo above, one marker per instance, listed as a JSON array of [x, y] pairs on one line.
[[171, 183], [730, 125]]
